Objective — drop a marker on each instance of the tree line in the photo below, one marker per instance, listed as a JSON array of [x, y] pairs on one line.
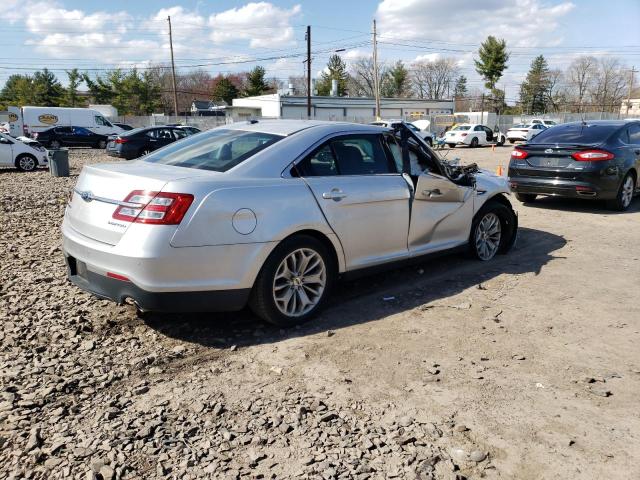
[[587, 84]]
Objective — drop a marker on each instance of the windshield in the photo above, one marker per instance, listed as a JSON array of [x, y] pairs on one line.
[[217, 150], [576, 133], [462, 127]]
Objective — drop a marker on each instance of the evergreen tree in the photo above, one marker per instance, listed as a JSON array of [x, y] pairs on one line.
[[47, 89], [256, 84], [71, 98], [337, 70], [534, 91], [395, 81], [460, 89], [493, 61], [17, 91], [224, 89]]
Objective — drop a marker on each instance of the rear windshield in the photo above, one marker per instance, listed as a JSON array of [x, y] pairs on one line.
[[462, 127], [217, 150], [576, 133]]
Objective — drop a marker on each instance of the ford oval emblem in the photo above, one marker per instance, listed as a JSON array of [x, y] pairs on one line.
[[549, 150], [86, 196]]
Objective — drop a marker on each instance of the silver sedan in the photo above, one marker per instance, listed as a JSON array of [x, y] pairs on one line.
[[271, 214]]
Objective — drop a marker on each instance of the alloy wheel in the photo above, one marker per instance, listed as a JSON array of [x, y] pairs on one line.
[[299, 282], [27, 164], [627, 191], [488, 235]]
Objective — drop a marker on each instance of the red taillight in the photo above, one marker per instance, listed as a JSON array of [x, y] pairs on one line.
[[592, 156], [157, 208], [519, 154], [117, 276], [121, 140]]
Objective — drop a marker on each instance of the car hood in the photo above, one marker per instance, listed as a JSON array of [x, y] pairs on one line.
[[491, 183]]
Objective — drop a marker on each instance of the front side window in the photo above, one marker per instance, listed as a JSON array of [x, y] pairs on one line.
[[81, 131], [634, 134], [478, 128], [178, 133], [102, 121], [218, 150]]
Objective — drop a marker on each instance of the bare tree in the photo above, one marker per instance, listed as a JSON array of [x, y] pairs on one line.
[[361, 77], [434, 80], [609, 86], [580, 76], [556, 90]]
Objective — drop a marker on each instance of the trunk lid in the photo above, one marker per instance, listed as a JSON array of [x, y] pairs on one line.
[[553, 160], [100, 187]]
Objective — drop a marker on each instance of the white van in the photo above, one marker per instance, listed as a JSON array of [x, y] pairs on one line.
[[29, 120]]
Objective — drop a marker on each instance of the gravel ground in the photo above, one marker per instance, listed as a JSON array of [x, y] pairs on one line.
[[526, 367]]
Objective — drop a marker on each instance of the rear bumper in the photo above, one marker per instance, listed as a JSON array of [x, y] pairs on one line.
[[589, 186], [119, 290]]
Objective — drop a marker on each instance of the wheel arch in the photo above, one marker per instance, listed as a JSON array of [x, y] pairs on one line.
[[331, 244], [25, 154]]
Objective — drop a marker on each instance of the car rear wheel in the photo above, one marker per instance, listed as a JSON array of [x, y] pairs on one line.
[[294, 282], [512, 141], [451, 145], [26, 163], [625, 194], [526, 197], [493, 231], [474, 142], [55, 144], [500, 141]]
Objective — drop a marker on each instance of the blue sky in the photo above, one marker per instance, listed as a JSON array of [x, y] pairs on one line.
[[226, 36]]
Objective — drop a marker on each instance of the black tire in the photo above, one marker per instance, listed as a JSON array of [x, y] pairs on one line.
[[102, 144], [526, 197], [511, 141], [451, 145], [262, 301], [501, 142], [622, 201], [55, 144], [508, 225], [474, 142], [26, 163], [429, 141]]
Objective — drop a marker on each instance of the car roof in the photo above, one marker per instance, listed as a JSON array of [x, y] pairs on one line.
[[289, 127], [611, 123]]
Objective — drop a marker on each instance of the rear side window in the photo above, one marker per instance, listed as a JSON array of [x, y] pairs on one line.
[[179, 133], [218, 150], [576, 133]]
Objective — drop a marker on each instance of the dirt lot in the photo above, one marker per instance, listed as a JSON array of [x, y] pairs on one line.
[[527, 367]]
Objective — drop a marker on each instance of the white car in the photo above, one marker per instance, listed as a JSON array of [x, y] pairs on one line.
[[25, 157], [541, 121], [524, 133], [426, 135], [270, 213], [473, 135]]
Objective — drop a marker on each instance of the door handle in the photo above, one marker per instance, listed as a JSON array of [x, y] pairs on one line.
[[432, 193], [334, 194]]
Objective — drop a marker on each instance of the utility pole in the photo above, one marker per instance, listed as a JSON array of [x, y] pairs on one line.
[[308, 37], [633, 70], [173, 71], [482, 110], [376, 85]]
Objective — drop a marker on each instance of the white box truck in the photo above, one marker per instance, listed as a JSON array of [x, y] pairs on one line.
[[29, 120]]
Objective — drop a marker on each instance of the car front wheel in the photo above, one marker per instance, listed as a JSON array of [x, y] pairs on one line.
[[493, 231], [294, 281], [26, 163]]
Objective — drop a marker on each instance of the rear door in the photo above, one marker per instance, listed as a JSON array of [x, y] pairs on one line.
[[6, 151], [480, 134], [82, 137], [362, 195]]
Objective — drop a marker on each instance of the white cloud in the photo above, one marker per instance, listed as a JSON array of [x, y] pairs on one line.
[[428, 58], [520, 22], [262, 23]]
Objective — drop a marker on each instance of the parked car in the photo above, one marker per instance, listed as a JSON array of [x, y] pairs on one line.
[[473, 135], [542, 121], [524, 133], [270, 213], [593, 160], [189, 129], [141, 141], [58, 137], [124, 126], [25, 157], [425, 134]]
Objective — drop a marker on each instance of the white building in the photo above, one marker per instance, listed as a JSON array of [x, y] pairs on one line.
[[633, 105], [358, 109]]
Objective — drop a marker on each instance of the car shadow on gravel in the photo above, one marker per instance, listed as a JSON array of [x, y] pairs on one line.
[[577, 205], [368, 298]]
